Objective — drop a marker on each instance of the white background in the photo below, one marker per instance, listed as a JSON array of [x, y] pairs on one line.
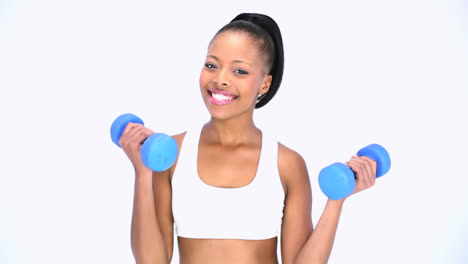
[[356, 72]]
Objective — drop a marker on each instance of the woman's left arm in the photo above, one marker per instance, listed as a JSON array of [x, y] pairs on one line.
[[297, 221], [300, 242]]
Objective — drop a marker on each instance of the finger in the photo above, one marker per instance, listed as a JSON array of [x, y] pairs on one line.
[[128, 128], [368, 175], [125, 131], [355, 167], [369, 166], [142, 134], [148, 132], [131, 135], [359, 167], [138, 135], [372, 168], [122, 139], [372, 165], [131, 127]]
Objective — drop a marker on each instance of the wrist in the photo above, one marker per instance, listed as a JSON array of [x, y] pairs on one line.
[[336, 203], [143, 174]]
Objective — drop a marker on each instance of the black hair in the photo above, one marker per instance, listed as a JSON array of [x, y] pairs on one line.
[[264, 30]]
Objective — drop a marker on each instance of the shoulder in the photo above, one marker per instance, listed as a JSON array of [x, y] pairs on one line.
[[289, 156], [179, 138], [292, 167]]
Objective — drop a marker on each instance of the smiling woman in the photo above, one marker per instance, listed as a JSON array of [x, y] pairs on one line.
[[234, 76], [392, 72], [234, 188]]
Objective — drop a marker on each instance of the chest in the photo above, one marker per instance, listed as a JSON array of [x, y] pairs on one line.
[[221, 192], [228, 167]]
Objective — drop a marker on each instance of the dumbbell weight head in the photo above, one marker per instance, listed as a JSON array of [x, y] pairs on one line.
[[159, 152], [119, 125], [380, 155], [337, 181]]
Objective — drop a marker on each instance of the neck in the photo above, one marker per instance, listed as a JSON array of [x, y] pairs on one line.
[[232, 131]]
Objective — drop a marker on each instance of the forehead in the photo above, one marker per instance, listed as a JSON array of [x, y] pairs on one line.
[[234, 45]]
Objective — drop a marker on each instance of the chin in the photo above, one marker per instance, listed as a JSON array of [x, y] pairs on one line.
[[220, 114]]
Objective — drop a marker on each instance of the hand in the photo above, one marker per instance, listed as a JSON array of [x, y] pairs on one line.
[[365, 170], [131, 142]]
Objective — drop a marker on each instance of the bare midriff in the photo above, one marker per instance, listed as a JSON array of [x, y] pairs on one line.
[[227, 251]]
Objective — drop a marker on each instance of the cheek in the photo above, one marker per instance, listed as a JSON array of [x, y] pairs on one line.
[[204, 78], [253, 84]]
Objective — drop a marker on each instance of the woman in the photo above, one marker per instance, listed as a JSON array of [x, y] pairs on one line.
[[233, 189]]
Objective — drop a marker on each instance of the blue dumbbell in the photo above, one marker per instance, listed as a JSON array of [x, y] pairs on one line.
[[159, 151], [338, 181]]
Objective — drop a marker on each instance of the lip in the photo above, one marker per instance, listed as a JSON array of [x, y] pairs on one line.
[[215, 101], [218, 91]]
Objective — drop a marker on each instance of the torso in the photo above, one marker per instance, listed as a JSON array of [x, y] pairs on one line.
[[241, 163], [227, 251]]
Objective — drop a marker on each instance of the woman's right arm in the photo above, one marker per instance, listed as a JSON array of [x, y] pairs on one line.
[[146, 238]]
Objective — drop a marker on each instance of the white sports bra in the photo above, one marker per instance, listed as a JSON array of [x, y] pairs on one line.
[[251, 212]]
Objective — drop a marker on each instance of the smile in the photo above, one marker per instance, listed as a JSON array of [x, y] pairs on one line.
[[220, 97]]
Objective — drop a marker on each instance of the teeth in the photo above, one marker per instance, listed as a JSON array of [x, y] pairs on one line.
[[221, 97]]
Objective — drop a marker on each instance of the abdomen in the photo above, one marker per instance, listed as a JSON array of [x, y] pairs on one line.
[[227, 251]]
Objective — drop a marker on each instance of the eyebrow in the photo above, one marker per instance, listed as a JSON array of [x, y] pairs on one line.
[[234, 61]]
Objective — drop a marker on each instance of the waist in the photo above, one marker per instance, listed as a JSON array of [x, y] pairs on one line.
[[227, 251]]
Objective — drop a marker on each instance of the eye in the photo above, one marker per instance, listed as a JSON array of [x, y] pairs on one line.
[[210, 66], [240, 71]]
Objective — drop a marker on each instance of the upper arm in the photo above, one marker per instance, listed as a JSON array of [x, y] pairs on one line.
[[297, 222], [162, 191]]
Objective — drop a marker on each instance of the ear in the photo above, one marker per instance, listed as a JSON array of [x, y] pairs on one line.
[[266, 85]]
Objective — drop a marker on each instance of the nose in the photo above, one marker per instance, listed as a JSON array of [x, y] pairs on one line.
[[220, 79]]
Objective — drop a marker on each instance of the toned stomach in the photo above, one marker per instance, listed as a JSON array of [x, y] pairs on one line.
[[227, 251]]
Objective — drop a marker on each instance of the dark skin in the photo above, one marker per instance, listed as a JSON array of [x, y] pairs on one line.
[[228, 154], [241, 159]]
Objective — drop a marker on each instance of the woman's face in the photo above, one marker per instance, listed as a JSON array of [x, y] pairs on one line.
[[233, 76]]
